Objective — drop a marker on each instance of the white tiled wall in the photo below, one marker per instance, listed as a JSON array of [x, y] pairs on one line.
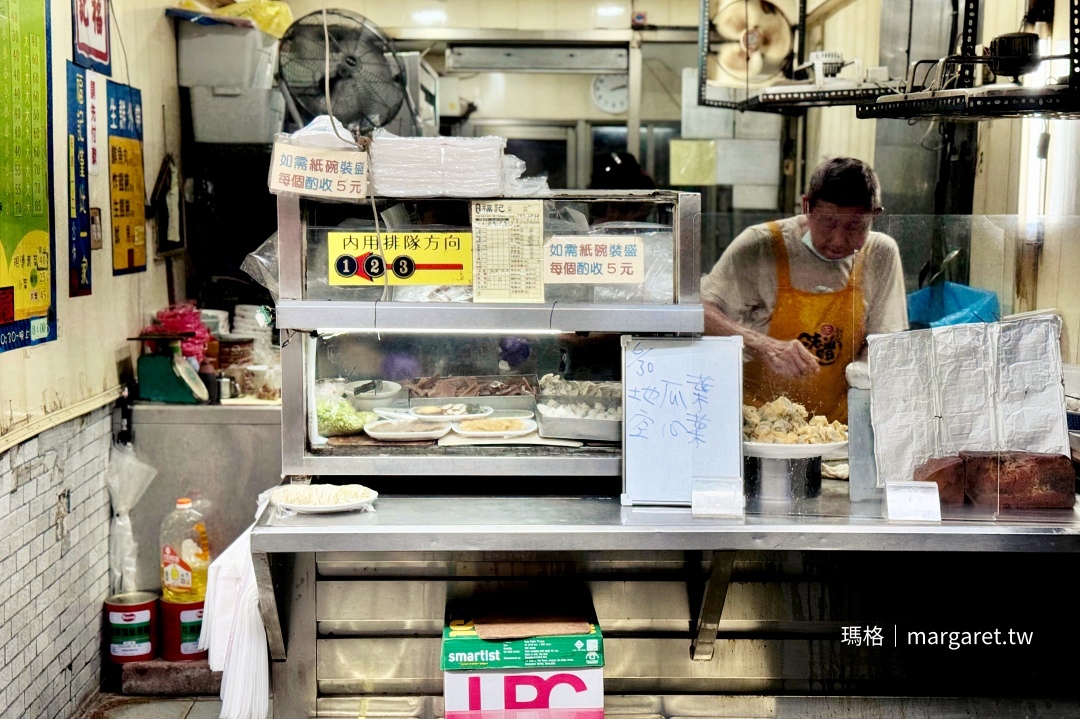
[[53, 568]]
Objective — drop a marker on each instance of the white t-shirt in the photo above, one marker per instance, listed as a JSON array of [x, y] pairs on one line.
[[743, 282]]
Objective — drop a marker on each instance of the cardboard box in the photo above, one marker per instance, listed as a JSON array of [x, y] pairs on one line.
[[525, 694], [462, 649]]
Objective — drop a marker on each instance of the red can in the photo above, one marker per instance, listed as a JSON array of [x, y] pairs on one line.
[[180, 628], [132, 621]]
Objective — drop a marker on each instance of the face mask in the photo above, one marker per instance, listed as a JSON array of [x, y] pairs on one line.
[[809, 243]]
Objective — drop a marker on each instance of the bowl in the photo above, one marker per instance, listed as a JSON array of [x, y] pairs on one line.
[[383, 395]]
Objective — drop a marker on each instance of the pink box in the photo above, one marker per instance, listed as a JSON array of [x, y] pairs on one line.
[[525, 694]]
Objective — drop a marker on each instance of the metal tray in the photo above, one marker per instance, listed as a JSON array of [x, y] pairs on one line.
[[600, 430]]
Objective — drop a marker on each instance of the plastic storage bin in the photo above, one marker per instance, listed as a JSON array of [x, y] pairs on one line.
[[236, 116], [225, 56]]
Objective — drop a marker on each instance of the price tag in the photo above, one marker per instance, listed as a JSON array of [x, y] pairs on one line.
[[912, 502], [721, 497], [314, 172]]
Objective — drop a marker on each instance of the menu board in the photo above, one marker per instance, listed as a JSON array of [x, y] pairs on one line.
[[27, 280], [127, 189], [79, 274], [508, 250]]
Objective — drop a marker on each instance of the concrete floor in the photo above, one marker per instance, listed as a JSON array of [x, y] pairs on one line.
[[119, 707]]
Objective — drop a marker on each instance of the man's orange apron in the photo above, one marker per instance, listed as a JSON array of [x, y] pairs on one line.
[[831, 325]]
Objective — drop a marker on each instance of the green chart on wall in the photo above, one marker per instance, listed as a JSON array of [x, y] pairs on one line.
[[27, 280]]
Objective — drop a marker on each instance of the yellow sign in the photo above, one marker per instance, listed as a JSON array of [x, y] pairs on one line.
[[359, 259], [128, 205]]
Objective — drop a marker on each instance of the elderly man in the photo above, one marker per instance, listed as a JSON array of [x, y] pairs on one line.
[[805, 292]]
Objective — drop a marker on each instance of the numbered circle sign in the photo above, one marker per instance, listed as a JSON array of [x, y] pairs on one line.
[[346, 265], [374, 266], [404, 266]]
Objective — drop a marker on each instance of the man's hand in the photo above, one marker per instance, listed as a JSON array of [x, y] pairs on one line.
[[787, 359]]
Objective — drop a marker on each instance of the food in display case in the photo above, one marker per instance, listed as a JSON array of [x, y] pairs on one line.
[[390, 430], [579, 410], [337, 418], [463, 386], [1019, 479], [785, 422], [948, 473], [1013, 480], [553, 385], [455, 411], [598, 419], [495, 428], [493, 425]]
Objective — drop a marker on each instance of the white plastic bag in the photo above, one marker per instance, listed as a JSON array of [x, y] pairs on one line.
[[127, 479]]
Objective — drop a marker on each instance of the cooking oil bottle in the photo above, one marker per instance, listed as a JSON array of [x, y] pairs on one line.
[[185, 554]]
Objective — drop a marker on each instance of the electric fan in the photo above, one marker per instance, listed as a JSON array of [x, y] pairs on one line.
[[756, 40], [367, 80]]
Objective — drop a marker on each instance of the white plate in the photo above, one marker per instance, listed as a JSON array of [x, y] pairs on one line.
[[530, 426], [390, 436], [325, 508], [511, 414], [451, 417], [768, 450], [400, 414]]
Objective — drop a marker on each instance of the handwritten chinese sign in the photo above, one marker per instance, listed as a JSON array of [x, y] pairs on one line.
[[27, 282], [508, 250], [313, 172], [90, 23], [682, 403], [126, 185], [400, 258], [79, 276], [594, 261]]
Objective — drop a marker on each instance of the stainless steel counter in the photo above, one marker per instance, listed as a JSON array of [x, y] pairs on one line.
[[513, 524], [227, 454]]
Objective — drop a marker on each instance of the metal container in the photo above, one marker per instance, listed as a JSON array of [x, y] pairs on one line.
[[132, 621], [180, 628], [601, 430], [780, 483]]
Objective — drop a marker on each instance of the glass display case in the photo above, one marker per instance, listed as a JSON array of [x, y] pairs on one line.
[[523, 386]]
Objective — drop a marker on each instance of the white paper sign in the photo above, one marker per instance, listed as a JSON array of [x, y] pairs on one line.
[[718, 498], [911, 502], [318, 172], [682, 409], [508, 247], [594, 260]]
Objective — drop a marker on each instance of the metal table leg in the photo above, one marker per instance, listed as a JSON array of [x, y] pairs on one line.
[[712, 606]]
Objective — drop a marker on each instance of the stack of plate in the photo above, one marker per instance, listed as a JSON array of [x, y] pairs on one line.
[[217, 321], [245, 322]]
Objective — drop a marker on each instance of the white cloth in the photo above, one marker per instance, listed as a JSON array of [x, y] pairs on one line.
[[233, 631]]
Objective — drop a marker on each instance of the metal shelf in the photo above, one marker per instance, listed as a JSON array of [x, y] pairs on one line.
[[781, 101], [449, 316], [1056, 103], [1060, 102], [479, 461], [516, 524]]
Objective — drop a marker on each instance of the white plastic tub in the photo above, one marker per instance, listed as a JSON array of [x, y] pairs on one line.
[[225, 56], [225, 115]]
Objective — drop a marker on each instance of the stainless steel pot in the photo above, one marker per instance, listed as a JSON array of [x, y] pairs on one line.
[[780, 483]]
